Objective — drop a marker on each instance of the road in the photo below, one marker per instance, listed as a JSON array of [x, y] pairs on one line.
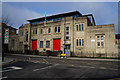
[[43, 67]]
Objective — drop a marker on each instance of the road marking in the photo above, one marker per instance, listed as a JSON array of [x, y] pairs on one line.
[[12, 68], [3, 77], [45, 67], [45, 60]]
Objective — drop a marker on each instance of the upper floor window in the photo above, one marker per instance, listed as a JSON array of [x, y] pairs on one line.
[[49, 30], [27, 36], [67, 30], [21, 33], [35, 31], [82, 27], [41, 31], [67, 37], [79, 27], [57, 29]]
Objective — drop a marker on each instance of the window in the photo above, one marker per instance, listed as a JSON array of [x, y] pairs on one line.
[[21, 44], [115, 41], [49, 30], [82, 42], [13, 43], [41, 31], [82, 27], [58, 29], [67, 30], [55, 29], [47, 44], [41, 44], [35, 31], [21, 33], [26, 36], [100, 41], [79, 42], [77, 27], [12, 30], [67, 37]]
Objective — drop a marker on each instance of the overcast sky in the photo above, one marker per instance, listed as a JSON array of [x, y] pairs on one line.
[[20, 12]]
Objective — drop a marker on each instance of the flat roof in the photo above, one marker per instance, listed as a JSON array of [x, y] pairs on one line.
[[56, 16]]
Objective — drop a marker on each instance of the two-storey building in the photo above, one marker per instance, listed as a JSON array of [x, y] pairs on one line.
[[72, 33]]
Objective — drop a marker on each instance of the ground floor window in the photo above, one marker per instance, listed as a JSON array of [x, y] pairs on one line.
[[47, 44], [41, 44], [100, 41], [80, 42]]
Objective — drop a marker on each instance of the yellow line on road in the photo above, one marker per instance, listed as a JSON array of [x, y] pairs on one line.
[[10, 62], [45, 60]]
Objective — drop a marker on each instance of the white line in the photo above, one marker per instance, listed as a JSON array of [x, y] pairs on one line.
[[3, 77], [12, 68], [45, 67]]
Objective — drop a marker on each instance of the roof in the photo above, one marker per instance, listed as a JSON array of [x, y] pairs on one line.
[[57, 16], [6, 26]]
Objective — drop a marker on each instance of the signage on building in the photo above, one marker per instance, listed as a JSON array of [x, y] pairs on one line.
[[92, 40], [6, 37]]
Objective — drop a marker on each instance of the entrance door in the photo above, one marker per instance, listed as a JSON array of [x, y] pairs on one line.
[[67, 50], [34, 45], [57, 44]]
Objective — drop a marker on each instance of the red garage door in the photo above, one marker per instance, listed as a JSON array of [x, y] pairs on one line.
[[34, 45], [56, 44]]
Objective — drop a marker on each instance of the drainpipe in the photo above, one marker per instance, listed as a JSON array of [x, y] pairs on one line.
[[30, 36], [73, 36]]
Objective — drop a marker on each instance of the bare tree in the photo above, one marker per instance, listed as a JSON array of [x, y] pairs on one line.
[[6, 20]]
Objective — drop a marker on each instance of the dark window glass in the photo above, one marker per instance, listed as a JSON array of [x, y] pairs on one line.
[[49, 30], [98, 44], [77, 27], [41, 31], [79, 42], [82, 42], [67, 37], [47, 44], [55, 29], [35, 31], [67, 30], [26, 36], [58, 29], [41, 44], [82, 27]]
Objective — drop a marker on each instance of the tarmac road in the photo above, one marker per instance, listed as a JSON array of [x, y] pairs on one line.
[[36, 67]]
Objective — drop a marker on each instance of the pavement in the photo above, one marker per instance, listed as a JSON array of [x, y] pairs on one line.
[[73, 58], [7, 60]]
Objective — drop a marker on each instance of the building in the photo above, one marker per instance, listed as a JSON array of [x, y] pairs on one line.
[[72, 33], [7, 32]]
